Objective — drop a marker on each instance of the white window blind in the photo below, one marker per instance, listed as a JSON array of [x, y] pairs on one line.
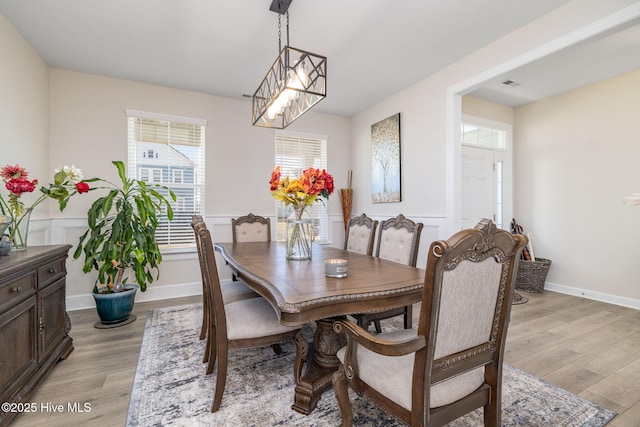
[[294, 154], [170, 151]]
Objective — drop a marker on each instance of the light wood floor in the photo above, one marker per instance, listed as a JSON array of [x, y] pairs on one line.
[[587, 347]]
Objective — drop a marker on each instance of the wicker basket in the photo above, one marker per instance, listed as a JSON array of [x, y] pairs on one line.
[[532, 274]]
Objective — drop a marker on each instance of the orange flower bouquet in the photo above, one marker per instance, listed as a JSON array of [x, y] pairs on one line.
[[300, 193]]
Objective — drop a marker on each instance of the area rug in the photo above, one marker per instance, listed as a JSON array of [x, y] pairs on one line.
[[170, 388]]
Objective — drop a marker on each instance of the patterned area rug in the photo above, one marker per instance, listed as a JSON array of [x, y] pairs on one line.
[[170, 388]]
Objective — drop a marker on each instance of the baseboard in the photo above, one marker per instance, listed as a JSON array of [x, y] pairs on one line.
[[153, 293], [593, 295]]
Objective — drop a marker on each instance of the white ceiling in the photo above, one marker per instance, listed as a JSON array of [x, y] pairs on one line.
[[374, 48], [603, 57]]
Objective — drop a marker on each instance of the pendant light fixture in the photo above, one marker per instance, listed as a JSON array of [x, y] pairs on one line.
[[296, 81]]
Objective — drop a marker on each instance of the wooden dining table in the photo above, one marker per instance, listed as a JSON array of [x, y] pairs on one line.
[[300, 292]]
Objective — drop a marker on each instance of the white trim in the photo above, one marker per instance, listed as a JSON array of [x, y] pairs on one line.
[[165, 117], [593, 295], [153, 293]]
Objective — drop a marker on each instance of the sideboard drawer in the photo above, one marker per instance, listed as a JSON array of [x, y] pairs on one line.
[[17, 290], [51, 272]]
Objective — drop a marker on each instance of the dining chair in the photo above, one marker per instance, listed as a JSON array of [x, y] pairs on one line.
[[240, 324], [251, 228], [452, 364], [361, 233], [231, 290], [398, 241]]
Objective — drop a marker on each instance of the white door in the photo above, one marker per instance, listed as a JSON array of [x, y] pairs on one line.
[[478, 185]]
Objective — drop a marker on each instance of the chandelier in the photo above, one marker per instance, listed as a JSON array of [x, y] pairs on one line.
[[296, 81]]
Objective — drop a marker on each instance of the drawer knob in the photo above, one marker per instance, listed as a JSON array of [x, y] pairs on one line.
[[52, 270], [18, 289]]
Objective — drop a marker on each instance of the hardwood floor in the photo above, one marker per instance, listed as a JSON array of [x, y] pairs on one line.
[[587, 347]]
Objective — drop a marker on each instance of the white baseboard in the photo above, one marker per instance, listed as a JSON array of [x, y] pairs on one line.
[[593, 295], [153, 293]]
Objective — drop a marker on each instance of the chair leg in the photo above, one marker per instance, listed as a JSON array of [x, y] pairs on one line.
[[340, 388], [408, 317], [203, 329], [212, 350], [221, 378], [492, 416], [205, 358], [377, 325]]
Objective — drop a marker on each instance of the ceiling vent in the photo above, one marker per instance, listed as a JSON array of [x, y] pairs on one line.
[[510, 83]]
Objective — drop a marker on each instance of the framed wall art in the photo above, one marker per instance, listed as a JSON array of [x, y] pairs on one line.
[[385, 160]]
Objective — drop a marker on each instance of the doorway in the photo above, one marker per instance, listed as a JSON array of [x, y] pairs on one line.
[[486, 171]]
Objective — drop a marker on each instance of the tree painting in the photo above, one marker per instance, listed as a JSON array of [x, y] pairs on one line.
[[385, 160]]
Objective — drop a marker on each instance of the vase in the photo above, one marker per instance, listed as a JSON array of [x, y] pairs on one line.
[[115, 307], [300, 235], [19, 231]]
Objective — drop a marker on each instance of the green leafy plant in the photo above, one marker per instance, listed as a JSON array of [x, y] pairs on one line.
[[122, 233]]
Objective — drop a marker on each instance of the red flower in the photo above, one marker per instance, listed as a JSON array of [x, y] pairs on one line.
[[10, 172], [82, 187], [21, 185]]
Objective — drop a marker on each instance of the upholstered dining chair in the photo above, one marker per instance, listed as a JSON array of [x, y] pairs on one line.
[[240, 324], [398, 241], [231, 290], [251, 228], [452, 364], [361, 234]]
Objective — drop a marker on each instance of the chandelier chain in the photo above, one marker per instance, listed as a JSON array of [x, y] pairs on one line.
[[279, 34], [287, 27]]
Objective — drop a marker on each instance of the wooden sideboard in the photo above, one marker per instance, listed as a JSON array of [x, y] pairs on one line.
[[34, 325]]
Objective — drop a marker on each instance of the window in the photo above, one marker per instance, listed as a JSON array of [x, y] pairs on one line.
[[169, 150], [484, 136], [153, 175], [295, 153], [177, 176]]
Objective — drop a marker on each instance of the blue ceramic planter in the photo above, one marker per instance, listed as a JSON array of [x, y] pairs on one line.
[[116, 307]]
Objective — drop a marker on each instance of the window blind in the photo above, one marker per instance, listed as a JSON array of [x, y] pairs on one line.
[[170, 153], [294, 154]]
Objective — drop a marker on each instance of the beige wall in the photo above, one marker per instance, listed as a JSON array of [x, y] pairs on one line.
[[24, 109], [487, 110], [576, 157]]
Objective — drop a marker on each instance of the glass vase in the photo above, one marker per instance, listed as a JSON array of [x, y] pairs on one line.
[[300, 236], [19, 231]]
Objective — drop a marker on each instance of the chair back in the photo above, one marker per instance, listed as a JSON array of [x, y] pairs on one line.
[[211, 282], [468, 288], [361, 233], [398, 240], [251, 228]]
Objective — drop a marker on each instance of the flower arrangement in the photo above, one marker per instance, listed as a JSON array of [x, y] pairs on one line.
[[300, 193], [67, 181]]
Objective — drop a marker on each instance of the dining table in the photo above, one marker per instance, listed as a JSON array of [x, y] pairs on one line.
[[300, 293]]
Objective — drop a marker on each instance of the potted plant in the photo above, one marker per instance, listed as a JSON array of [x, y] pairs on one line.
[[122, 238]]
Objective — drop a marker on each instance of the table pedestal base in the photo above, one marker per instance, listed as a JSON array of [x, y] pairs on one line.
[[320, 362]]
